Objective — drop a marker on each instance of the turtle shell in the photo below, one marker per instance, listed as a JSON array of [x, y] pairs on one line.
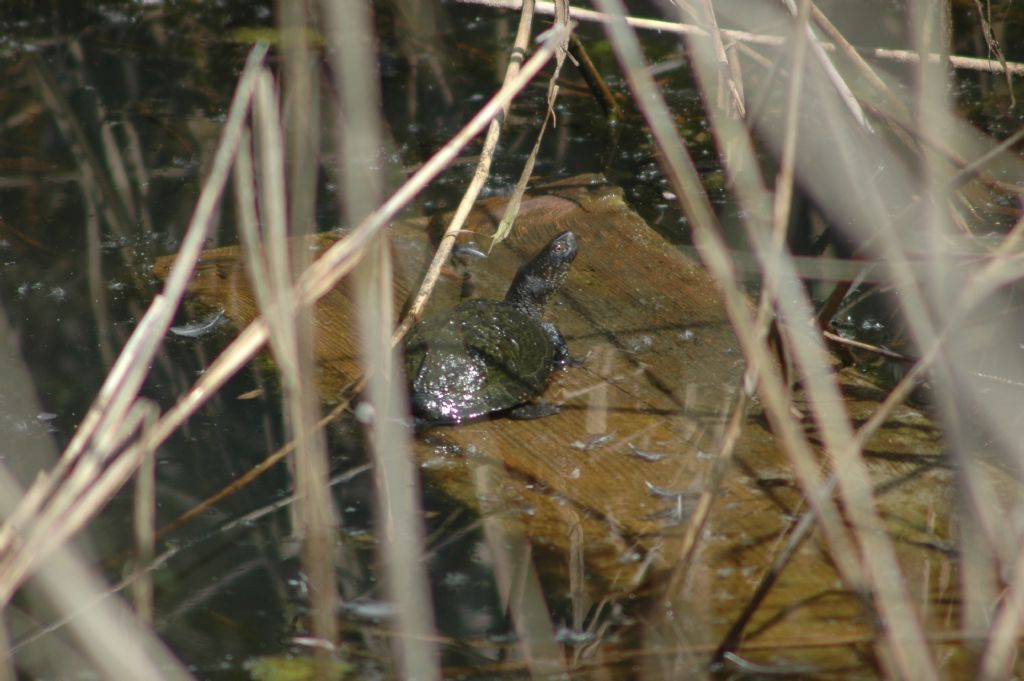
[[480, 357]]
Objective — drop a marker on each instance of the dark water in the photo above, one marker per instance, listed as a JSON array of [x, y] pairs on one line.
[[153, 83], [90, 87]]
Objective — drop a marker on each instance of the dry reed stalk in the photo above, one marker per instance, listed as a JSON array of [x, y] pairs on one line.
[[110, 636], [850, 52], [1004, 633], [268, 256], [317, 518], [398, 513], [384, 413], [702, 511], [751, 38], [907, 648], [950, 303], [343, 257], [312, 470], [518, 583], [832, 424], [113, 639], [515, 199], [817, 50], [878, 558], [980, 528], [95, 440], [7, 671], [784, 179], [116, 398], [160, 561], [733, 86], [68, 581], [716, 256], [100, 458], [82, 494], [144, 522], [476, 184], [339, 260]]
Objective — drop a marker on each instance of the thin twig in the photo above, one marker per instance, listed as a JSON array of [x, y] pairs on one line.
[[321, 278], [145, 536], [480, 175], [860, 345], [903, 633], [722, 465], [116, 403], [269, 258], [733, 87], [397, 511], [817, 49], [902, 56], [598, 88], [175, 549], [715, 255]]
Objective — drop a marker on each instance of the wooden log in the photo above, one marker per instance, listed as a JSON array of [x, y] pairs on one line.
[[616, 472]]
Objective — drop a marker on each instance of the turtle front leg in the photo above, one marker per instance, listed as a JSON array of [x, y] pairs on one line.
[[562, 356]]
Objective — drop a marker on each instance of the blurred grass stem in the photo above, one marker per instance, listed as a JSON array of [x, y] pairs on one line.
[[268, 254], [397, 499], [906, 645]]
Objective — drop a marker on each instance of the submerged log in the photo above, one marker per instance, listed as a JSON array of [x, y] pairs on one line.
[[614, 476]]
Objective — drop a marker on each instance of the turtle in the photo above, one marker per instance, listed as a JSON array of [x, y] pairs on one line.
[[491, 356]]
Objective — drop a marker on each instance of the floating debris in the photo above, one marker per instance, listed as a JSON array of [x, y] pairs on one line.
[[645, 454], [640, 344], [370, 609], [572, 637], [365, 412], [455, 579], [677, 513], [296, 668], [593, 442], [470, 249], [747, 667], [681, 504], [200, 328], [657, 491]]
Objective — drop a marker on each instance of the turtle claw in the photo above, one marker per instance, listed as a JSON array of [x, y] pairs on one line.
[[532, 410], [573, 362]]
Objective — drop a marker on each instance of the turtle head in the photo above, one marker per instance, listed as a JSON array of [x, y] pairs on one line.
[[542, 275]]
